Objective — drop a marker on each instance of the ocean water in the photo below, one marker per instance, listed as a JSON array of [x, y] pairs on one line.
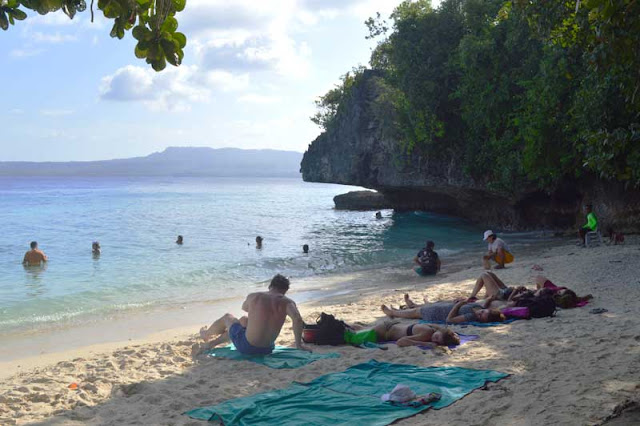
[[137, 221]]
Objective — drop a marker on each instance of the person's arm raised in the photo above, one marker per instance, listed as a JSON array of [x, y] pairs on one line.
[[298, 324]]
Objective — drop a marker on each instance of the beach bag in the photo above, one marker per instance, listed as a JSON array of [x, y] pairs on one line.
[[539, 306], [330, 331], [515, 312], [428, 261]]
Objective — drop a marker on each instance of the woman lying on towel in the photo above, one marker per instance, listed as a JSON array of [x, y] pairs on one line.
[[497, 294], [451, 312], [414, 334]]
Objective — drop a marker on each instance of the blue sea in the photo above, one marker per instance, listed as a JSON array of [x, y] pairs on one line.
[[137, 220]]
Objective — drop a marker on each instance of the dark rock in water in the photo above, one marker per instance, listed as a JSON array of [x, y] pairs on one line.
[[361, 200], [356, 151]]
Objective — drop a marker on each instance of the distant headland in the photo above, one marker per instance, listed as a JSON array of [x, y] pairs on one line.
[[173, 161]]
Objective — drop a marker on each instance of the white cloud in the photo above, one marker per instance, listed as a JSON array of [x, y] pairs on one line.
[[174, 89], [52, 38], [254, 98], [25, 52], [56, 112]]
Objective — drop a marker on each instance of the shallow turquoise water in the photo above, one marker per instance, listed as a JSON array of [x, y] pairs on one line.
[[137, 221]]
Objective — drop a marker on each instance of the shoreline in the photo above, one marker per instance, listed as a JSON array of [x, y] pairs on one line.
[[553, 361]]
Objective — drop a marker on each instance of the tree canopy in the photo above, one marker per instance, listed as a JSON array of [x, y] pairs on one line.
[[520, 93], [152, 23]]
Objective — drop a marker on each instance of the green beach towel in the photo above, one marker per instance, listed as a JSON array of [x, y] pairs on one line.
[[281, 357], [349, 397]]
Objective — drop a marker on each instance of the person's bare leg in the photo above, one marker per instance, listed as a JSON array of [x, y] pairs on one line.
[[498, 281], [405, 313], [485, 261], [410, 303], [491, 286], [540, 280], [199, 348], [219, 326]]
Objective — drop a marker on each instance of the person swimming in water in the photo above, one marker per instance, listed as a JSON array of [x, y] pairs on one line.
[[35, 256], [180, 240], [258, 242], [95, 249], [305, 249]]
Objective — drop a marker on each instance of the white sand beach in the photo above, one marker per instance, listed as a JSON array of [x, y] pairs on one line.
[[576, 368]]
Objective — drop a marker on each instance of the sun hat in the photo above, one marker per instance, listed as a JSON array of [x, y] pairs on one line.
[[487, 234]]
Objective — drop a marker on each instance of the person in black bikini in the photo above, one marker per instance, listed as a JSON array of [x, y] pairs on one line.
[[415, 334]]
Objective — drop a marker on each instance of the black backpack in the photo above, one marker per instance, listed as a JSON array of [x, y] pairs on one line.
[[428, 260], [539, 306], [330, 331]]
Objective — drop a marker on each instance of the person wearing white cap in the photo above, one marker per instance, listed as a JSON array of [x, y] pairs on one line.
[[498, 251]]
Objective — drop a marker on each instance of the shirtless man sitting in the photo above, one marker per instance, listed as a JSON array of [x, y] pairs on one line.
[[35, 256], [256, 333]]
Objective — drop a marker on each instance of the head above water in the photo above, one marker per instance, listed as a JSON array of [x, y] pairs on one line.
[[179, 240], [445, 338], [489, 236], [95, 245], [305, 248], [258, 239], [431, 245], [280, 283], [33, 245]]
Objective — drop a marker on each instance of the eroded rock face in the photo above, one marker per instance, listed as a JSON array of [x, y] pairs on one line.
[[361, 200], [356, 152]]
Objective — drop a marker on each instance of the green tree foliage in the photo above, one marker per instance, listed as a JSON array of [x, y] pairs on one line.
[[520, 93], [153, 22], [335, 100]]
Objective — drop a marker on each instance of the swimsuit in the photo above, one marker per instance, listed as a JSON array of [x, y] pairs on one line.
[[237, 334], [410, 330]]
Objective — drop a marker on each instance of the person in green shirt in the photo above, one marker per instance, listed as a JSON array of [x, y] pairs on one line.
[[591, 225]]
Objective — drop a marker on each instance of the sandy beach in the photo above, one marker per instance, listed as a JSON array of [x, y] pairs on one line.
[[576, 368]]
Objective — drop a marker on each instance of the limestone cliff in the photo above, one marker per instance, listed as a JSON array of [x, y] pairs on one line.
[[355, 151]]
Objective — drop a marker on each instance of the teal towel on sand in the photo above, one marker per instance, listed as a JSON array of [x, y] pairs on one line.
[[474, 323], [281, 357], [350, 397]]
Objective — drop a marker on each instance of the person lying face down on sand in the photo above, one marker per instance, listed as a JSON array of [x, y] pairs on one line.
[[415, 334], [256, 333], [499, 295], [451, 312]]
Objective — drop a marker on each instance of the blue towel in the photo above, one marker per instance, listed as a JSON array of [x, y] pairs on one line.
[[349, 397], [281, 357]]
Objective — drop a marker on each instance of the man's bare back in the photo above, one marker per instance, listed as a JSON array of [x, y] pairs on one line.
[[267, 312], [34, 257]]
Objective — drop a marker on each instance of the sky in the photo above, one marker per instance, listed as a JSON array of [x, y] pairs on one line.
[[251, 72]]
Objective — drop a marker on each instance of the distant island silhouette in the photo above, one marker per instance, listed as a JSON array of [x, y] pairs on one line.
[[173, 161]]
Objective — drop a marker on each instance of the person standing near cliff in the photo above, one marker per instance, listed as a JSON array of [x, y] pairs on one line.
[[590, 226], [35, 256], [499, 252]]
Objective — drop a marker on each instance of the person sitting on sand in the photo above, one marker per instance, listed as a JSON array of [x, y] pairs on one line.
[[258, 242], [498, 251], [35, 256], [451, 312], [590, 226], [256, 333], [180, 240], [427, 260], [95, 248], [415, 334]]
